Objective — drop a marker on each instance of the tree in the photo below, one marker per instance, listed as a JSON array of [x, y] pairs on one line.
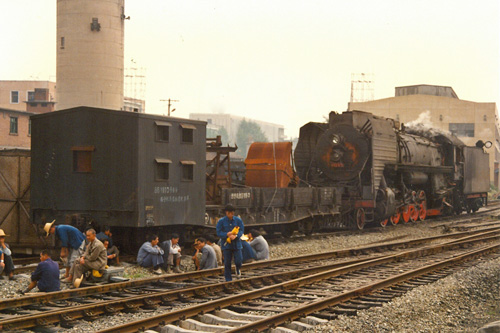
[[224, 135], [212, 133], [248, 132]]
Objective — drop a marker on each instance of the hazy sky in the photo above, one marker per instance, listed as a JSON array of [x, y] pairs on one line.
[[282, 61]]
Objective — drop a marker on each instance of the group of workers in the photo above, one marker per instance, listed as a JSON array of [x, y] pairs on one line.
[[210, 253], [83, 252]]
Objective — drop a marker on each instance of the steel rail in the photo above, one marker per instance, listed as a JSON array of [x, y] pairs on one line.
[[284, 286], [321, 304], [86, 291], [96, 309]]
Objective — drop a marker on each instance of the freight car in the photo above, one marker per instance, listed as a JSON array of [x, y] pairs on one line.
[[389, 173]]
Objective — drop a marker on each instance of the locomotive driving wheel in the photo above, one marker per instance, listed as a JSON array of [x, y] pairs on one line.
[[422, 206], [413, 213], [406, 213], [359, 215], [395, 218], [383, 223]]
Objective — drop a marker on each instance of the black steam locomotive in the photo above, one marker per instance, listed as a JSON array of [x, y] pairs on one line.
[[387, 172]]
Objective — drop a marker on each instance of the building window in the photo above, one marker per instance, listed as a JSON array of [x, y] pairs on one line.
[[29, 127], [462, 129], [14, 97], [188, 170], [82, 158], [162, 130], [30, 96], [62, 43], [162, 169], [187, 133], [13, 125]]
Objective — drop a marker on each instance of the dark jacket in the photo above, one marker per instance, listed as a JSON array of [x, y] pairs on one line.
[[226, 225]]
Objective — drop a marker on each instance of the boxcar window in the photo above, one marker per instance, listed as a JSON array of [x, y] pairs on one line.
[[188, 170], [187, 133], [162, 130], [162, 169], [82, 159]]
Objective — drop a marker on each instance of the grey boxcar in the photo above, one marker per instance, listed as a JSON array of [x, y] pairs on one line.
[[117, 168]]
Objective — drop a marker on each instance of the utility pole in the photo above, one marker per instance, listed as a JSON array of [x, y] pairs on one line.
[[169, 104]]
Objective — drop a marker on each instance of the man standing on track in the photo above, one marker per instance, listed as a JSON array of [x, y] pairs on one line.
[[230, 240]]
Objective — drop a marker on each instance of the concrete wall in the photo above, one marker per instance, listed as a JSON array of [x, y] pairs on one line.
[[442, 111], [90, 58]]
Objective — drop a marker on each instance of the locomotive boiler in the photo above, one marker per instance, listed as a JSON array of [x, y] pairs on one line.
[[389, 173]]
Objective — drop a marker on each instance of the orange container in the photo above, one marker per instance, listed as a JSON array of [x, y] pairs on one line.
[[269, 164]]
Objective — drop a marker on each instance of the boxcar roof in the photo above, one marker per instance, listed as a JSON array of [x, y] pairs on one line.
[[119, 113]]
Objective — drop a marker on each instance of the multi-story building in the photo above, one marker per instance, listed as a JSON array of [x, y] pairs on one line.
[[15, 94], [273, 132], [441, 108], [15, 129]]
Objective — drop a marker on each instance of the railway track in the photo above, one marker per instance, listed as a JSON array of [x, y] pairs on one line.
[[350, 287], [88, 303]]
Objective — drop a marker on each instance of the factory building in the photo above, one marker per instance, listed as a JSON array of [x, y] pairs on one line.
[[273, 132], [90, 51], [441, 108]]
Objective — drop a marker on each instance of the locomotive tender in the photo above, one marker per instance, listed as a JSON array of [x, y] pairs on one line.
[[143, 173]]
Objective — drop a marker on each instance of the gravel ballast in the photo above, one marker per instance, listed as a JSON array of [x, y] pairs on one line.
[[462, 302]]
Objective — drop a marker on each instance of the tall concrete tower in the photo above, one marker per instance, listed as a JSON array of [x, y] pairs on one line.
[[90, 47]]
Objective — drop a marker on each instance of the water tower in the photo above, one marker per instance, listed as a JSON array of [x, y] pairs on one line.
[[90, 46]]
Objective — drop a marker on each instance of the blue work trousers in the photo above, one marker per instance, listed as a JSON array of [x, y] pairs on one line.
[[228, 256], [152, 260]]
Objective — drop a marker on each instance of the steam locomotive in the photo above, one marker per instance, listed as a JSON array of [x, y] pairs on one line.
[[388, 173]]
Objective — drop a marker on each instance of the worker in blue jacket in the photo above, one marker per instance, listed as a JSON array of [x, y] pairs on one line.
[[71, 238], [230, 242]]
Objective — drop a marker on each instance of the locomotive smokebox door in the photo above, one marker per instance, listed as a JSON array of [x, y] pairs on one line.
[[342, 152]]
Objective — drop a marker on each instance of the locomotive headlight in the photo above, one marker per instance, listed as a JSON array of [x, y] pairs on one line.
[[335, 139], [336, 155]]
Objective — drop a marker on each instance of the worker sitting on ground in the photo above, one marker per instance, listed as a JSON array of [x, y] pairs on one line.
[[6, 263], [208, 257], [172, 254], [150, 255], [259, 244], [247, 253], [197, 255], [94, 258], [107, 235], [45, 276], [218, 252], [112, 253]]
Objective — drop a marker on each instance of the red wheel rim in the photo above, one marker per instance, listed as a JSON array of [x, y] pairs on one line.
[[422, 211], [360, 218], [406, 214], [413, 213], [395, 218], [383, 223]]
